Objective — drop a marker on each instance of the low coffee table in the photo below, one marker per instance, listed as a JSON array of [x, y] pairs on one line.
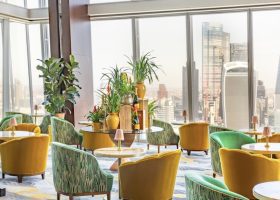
[[125, 152], [274, 148], [267, 190]]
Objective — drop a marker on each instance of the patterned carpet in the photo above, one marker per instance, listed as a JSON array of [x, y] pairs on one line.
[[36, 188]]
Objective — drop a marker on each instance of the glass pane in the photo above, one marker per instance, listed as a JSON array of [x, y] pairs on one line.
[[1, 72], [35, 54], [19, 82], [220, 55], [168, 45], [267, 66], [15, 2], [106, 1], [111, 42]]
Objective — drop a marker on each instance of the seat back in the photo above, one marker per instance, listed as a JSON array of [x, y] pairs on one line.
[[46, 122], [242, 170], [25, 156], [205, 187], [152, 177], [63, 131], [76, 171], [26, 127], [194, 136], [5, 122], [214, 128], [231, 139], [167, 136], [26, 118], [92, 141]]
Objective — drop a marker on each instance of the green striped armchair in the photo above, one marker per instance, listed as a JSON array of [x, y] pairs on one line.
[[214, 128], [44, 126], [202, 187], [77, 173], [162, 138], [26, 118], [227, 139], [5, 122], [64, 132]]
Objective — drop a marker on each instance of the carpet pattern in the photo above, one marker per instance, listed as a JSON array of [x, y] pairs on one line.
[[35, 188]]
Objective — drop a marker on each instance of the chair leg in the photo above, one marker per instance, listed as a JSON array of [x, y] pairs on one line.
[[158, 149], [19, 179], [71, 198], [177, 146], [148, 146], [109, 196], [206, 152], [43, 176], [189, 152], [165, 146], [57, 196], [214, 175], [3, 175], [182, 150]]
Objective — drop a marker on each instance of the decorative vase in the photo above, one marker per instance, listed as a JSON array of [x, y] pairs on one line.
[[141, 90], [96, 126], [112, 121], [60, 115], [127, 100], [150, 121]]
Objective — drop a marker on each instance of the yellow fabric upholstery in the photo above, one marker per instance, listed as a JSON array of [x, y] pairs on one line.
[[92, 141], [26, 127], [26, 156], [275, 138], [194, 136], [151, 178], [242, 170]]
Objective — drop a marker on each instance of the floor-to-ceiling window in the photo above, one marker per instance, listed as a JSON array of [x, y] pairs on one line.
[[19, 78], [266, 43], [168, 45], [35, 56], [1, 71], [220, 69], [111, 43]]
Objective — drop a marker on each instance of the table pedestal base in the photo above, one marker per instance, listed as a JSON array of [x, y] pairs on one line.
[[115, 165]]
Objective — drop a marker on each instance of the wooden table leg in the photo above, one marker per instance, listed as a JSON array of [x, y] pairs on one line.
[[119, 163]]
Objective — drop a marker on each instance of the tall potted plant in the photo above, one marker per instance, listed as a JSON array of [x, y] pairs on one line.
[[59, 87], [113, 101], [118, 80], [143, 69]]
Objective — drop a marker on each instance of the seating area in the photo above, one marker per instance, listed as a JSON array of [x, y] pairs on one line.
[[139, 100]]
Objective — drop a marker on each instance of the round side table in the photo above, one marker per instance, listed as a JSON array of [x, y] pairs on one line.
[[267, 190], [274, 148], [125, 152]]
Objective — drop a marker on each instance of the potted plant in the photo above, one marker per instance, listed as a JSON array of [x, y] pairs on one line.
[[112, 100], [152, 107], [143, 69], [59, 87], [118, 80], [95, 116]]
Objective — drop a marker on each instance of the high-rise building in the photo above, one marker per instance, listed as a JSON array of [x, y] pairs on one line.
[[235, 95], [276, 112], [262, 103], [238, 52], [215, 52]]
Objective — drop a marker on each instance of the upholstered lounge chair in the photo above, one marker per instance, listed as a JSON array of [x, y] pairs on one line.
[[227, 139], [77, 173]]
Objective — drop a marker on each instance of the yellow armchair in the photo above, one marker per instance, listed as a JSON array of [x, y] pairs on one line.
[[92, 141], [242, 170], [194, 137], [25, 156], [26, 127], [150, 178]]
